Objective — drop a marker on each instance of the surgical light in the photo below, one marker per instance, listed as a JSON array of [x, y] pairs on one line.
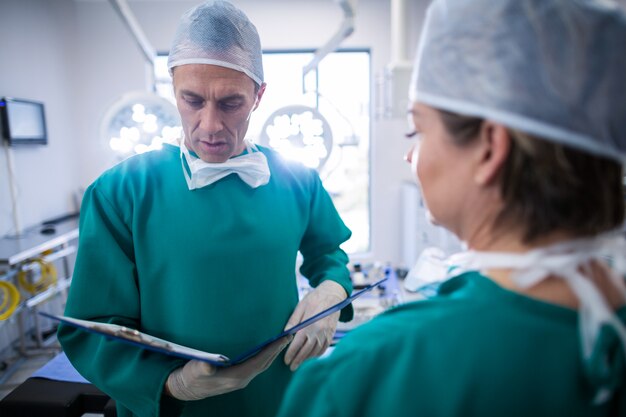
[[139, 122], [299, 133]]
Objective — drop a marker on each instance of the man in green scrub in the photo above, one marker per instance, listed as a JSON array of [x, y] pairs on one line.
[[520, 111], [197, 244]]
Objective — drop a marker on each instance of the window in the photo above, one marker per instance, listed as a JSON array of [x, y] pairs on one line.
[[322, 120]]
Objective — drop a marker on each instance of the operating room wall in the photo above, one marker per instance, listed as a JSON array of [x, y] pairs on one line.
[[78, 57], [36, 54], [112, 64]]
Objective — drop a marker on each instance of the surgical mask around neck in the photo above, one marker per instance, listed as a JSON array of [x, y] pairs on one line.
[[568, 261], [251, 167], [429, 271]]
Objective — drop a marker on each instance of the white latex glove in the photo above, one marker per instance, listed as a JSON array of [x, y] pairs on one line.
[[197, 380], [313, 340]]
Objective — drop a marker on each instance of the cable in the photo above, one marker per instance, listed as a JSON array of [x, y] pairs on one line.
[[47, 277], [10, 299], [13, 189]]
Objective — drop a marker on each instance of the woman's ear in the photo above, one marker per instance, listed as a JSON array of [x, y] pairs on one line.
[[495, 143]]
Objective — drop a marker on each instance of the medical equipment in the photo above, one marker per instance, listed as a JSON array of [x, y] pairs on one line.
[[35, 282], [396, 77], [345, 30], [9, 299], [386, 296], [138, 122], [122, 8], [23, 121], [299, 133]]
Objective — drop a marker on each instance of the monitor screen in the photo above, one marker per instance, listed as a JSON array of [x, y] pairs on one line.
[[23, 121]]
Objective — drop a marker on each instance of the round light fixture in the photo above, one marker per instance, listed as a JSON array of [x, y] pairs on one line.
[[299, 133], [140, 121]]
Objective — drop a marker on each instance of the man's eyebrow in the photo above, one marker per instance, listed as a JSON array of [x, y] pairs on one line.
[[189, 93], [235, 96]]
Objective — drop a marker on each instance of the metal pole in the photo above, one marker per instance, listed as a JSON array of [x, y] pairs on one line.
[[122, 8], [345, 30]]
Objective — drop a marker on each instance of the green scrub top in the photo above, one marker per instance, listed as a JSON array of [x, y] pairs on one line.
[[213, 269], [475, 349]]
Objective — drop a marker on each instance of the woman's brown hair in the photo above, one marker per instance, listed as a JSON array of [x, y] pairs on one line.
[[551, 187]]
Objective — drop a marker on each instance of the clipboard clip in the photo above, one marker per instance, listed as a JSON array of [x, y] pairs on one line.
[[129, 333], [133, 335]]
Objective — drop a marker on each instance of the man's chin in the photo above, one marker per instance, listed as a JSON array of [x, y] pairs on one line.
[[214, 159]]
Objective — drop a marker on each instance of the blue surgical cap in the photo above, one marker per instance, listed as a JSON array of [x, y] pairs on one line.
[[551, 68], [217, 33]]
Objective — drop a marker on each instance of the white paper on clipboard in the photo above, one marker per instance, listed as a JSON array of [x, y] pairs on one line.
[[146, 341]]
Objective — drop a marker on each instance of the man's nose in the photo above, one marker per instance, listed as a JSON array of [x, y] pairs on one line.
[[210, 120]]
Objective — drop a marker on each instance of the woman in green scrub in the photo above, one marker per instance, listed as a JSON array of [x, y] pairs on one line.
[[520, 110], [197, 244]]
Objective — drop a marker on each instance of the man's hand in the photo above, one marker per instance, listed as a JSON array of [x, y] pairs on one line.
[[197, 380], [313, 340]]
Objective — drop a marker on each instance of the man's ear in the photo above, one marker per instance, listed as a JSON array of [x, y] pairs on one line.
[[259, 95], [495, 144]]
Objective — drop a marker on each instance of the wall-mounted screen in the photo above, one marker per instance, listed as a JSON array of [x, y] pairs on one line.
[[23, 121]]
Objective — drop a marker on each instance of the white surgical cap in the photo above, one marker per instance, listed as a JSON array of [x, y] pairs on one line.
[[551, 68], [217, 33]]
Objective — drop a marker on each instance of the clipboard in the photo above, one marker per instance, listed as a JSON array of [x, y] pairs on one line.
[[149, 342]]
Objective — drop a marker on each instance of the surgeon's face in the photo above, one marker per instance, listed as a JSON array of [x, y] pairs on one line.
[[215, 104], [441, 167]]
